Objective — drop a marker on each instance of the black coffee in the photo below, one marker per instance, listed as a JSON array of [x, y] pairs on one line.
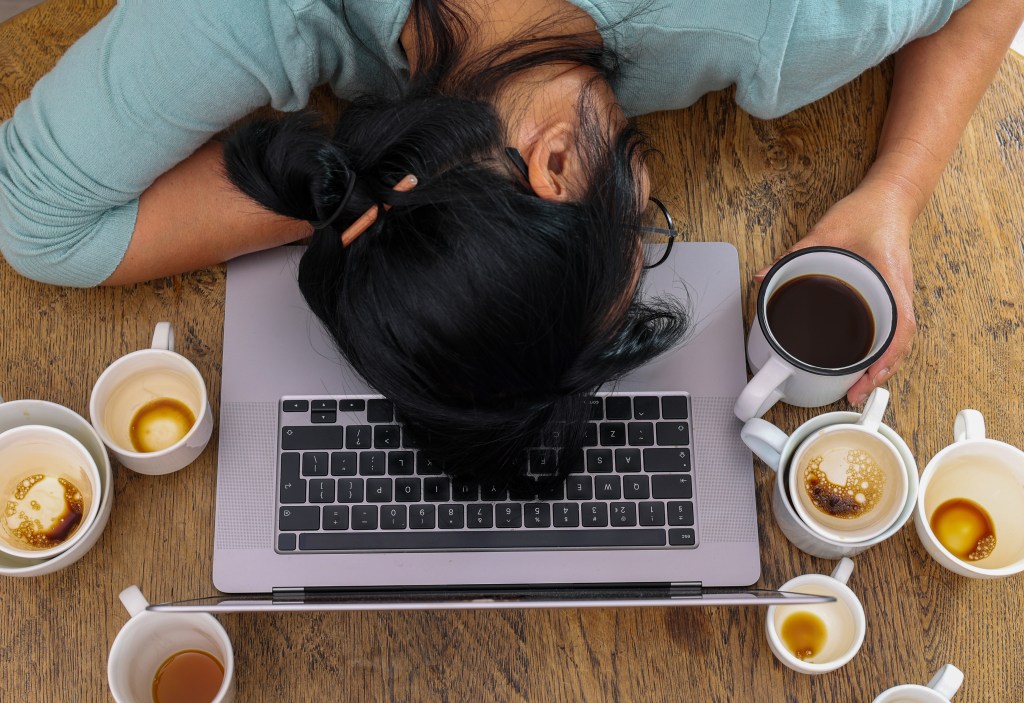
[[821, 321]]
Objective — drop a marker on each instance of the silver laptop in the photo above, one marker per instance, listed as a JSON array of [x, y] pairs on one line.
[[321, 503]]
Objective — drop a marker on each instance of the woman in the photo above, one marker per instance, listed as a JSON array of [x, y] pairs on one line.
[[496, 287]]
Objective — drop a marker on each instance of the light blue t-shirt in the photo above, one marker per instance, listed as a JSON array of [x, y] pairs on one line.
[[156, 79]]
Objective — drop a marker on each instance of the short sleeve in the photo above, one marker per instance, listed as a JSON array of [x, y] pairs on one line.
[[136, 95], [819, 45]]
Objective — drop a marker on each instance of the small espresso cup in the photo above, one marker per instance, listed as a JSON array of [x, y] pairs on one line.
[[51, 488], [797, 518], [148, 641], [940, 689], [151, 409], [821, 637], [970, 511], [860, 293]]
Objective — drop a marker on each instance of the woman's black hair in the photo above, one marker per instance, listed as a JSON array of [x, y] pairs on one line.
[[487, 315]]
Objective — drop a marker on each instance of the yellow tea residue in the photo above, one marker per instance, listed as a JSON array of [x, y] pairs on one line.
[[43, 511], [804, 634], [852, 499], [964, 528]]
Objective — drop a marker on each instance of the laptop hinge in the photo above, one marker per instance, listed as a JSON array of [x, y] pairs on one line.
[[686, 589]]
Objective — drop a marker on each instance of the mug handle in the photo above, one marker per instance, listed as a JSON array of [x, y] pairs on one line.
[[874, 408], [163, 336], [969, 424], [133, 600], [947, 681], [766, 440], [764, 389], [843, 570]]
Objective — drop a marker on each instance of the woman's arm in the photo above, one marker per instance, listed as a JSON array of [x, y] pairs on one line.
[[939, 80], [193, 217]]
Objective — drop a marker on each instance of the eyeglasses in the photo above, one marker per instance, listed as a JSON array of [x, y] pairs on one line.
[[655, 222]]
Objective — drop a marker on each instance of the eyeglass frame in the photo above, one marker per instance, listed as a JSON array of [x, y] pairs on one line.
[[520, 163]]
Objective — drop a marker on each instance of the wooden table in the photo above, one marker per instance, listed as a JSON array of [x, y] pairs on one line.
[[726, 176]]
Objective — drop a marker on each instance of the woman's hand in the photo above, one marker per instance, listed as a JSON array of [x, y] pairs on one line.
[[875, 222]]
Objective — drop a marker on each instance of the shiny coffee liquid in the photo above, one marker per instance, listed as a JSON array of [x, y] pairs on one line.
[[190, 676], [43, 511], [804, 634], [964, 528], [159, 424], [821, 321]]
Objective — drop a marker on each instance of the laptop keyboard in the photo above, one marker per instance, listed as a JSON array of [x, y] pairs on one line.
[[350, 480]]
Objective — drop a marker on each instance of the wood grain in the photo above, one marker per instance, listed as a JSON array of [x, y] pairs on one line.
[[726, 176]]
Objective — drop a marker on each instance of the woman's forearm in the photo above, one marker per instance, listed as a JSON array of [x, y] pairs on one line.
[[193, 217], [938, 82]]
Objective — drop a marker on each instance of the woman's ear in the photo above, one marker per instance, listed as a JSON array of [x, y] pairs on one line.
[[554, 163]]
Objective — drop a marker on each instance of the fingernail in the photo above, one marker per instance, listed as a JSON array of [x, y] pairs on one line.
[[861, 399], [881, 377]]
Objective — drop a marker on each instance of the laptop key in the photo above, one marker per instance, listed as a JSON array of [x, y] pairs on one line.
[[652, 514], [373, 463], [364, 517], [295, 406], [392, 517], [627, 460], [622, 515], [315, 437], [379, 410], [680, 513], [607, 487], [287, 543], [673, 434], [579, 488], [479, 516], [508, 515], [668, 459], [324, 405], [671, 486], [351, 405], [321, 490], [335, 517], [594, 514], [464, 490], [315, 464], [677, 537], [640, 434], [343, 463], [401, 463], [387, 436], [674, 407], [358, 437], [451, 516], [350, 490], [323, 418], [482, 539], [646, 407], [565, 515], [636, 487], [293, 488], [378, 490], [298, 518], [436, 489], [599, 461], [537, 515], [618, 407], [422, 517], [407, 490], [613, 434]]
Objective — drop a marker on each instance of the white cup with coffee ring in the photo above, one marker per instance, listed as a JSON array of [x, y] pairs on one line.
[[151, 408], [50, 487], [820, 637], [829, 537], [970, 510], [20, 413], [942, 687], [824, 315]]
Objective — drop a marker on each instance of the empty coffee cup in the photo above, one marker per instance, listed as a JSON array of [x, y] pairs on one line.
[[821, 637], [151, 409], [18, 413], [795, 498], [970, 511], [50, 488], [940, 689], [824, 315], [170, 657]]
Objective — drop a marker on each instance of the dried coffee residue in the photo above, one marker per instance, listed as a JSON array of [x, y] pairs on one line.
[[852, 499]]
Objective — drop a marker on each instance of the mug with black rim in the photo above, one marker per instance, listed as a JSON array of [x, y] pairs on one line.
[[781, 375]]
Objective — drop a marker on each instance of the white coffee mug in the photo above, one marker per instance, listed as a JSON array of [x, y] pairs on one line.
[[940, 689], [777, 449], [50, 485], [778, 375], [843, 621], [16, 413], [987, 472], [149, 639], [141, 377]]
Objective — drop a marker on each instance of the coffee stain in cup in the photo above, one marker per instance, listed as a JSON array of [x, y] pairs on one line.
[[804, 634], [852, 499], [159, 424], [44, 511], [964, 528]]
